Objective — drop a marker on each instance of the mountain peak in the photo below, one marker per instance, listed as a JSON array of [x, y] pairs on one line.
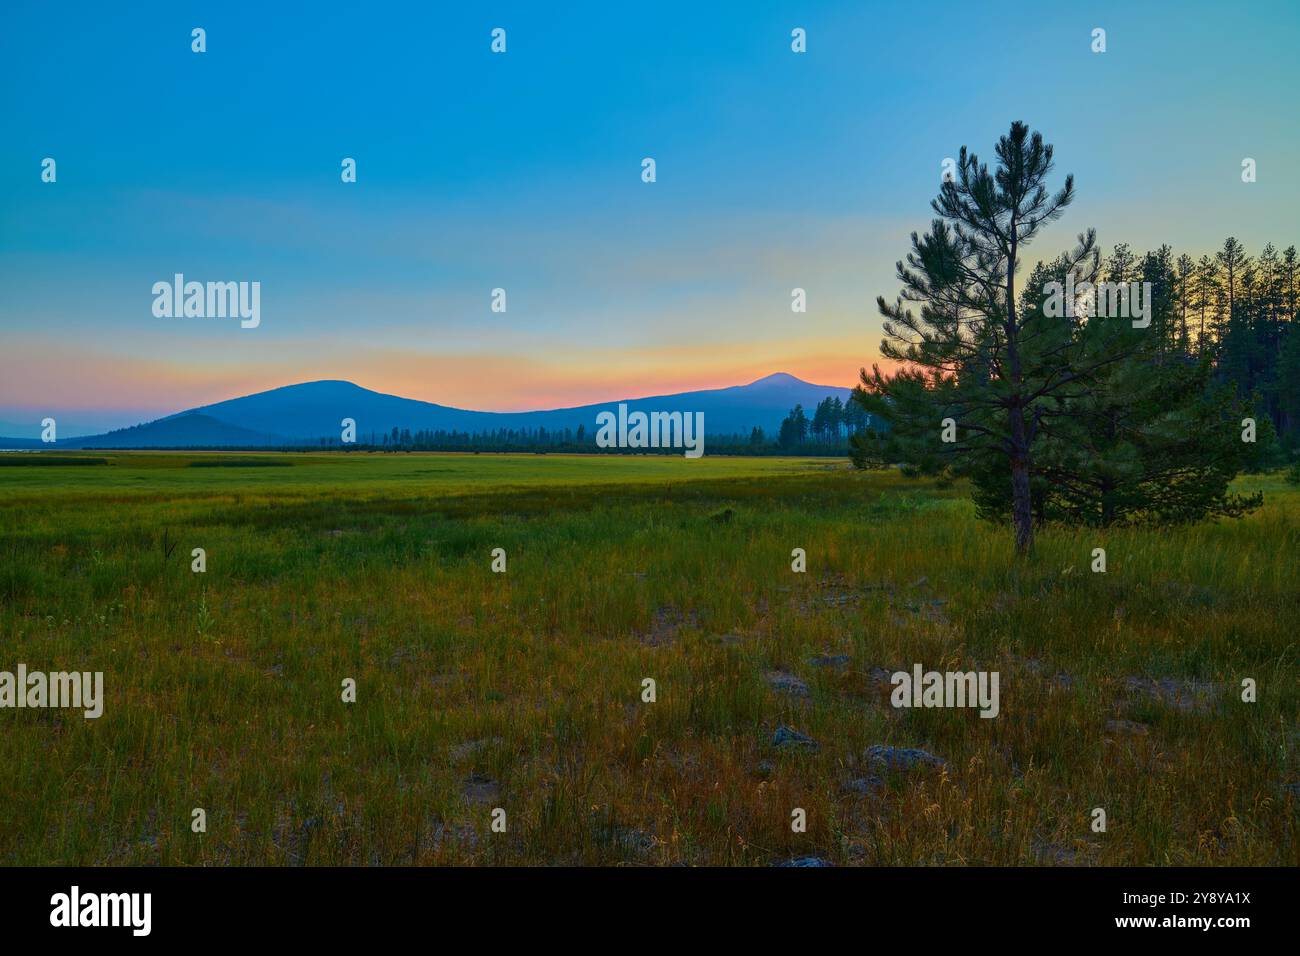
[[779, 378], [320, 385]]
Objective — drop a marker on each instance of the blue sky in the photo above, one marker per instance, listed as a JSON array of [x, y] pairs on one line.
[[522, 171]]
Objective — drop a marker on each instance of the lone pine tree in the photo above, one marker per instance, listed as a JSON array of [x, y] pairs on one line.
[[967, 355], [1052, 416]]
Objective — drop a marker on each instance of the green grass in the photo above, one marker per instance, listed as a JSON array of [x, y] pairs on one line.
[[47, 461], [523, 690]]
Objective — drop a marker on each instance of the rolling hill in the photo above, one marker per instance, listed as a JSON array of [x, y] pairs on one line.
[[307, 412]]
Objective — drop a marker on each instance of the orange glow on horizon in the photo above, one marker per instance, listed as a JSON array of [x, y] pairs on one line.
[[476, 381]]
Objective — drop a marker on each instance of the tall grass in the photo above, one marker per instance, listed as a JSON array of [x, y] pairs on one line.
[[523, 690]]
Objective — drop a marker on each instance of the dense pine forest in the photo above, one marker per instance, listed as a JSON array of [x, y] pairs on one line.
[[1236, 311], [1125, 422]]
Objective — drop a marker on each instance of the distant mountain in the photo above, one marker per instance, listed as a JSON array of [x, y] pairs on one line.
[[18, 430], [11, 444], [68, 427], [188, 429], [305, 413]]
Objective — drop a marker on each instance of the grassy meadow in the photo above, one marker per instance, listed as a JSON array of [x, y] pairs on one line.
[[523, 690]]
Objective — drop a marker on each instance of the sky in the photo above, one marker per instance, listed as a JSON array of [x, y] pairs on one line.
[[523, 171]]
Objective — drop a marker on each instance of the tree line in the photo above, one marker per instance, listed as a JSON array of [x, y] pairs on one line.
[[832, 423], [826, 433]]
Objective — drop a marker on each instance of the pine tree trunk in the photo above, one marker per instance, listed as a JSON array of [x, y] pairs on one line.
[[1022, 505]]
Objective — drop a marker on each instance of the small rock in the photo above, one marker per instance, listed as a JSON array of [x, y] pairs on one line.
[[1184, 695], [1054, 853], [477, 788], [865, 786], [1292, 788], [1031, 664], [471, 748], [632, 840], [830, 660], [788, 737], [807, 861], [459, 835], [668, 623], [902, 758], [788, 684]]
